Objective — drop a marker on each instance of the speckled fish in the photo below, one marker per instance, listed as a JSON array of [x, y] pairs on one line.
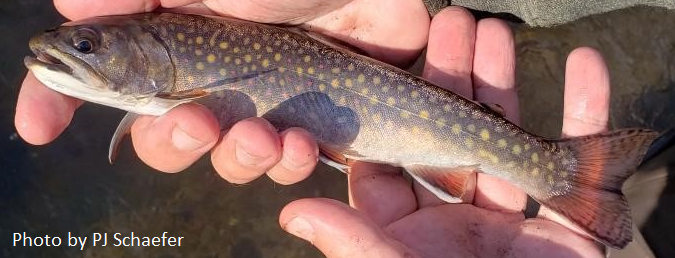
[[356, 107]]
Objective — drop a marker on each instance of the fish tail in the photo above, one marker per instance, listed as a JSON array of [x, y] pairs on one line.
[[595, 202]]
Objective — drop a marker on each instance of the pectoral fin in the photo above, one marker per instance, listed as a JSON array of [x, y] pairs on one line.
[[453, 185], [334, 159], [123, 128]]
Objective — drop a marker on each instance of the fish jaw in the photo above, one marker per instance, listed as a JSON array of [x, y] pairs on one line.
[[67, 76]]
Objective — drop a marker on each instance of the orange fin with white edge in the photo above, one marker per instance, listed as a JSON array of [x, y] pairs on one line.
[[453, 185], [594, 202]]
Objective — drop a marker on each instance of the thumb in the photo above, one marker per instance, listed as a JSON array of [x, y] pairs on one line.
[[339, 231]]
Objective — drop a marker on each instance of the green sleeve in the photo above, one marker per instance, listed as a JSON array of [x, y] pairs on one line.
[[547, 12]]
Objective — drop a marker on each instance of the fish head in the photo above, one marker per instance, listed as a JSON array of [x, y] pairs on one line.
[[114, 61]]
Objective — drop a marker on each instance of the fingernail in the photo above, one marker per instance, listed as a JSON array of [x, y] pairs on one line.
[[301, 228], [246, 158], [183, 141]]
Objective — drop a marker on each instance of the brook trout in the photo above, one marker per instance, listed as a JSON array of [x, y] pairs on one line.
[[357, 108]]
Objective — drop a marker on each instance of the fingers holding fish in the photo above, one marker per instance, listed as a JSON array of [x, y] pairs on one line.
[[41, 113], [587, 90], [450, 50], [247, 151], [380, 192], [300, 153], [494, 67], [174, 141], [79, 9]]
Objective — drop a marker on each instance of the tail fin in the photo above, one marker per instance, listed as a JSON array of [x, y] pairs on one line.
[[595, 202]]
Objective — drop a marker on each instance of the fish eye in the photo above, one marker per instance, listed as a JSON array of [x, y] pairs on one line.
[[84, 40], [84, 46]]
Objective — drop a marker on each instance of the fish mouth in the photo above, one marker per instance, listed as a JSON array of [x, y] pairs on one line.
[[49, 61]]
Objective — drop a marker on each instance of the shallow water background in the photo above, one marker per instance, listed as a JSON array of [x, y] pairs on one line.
[[68, 186]]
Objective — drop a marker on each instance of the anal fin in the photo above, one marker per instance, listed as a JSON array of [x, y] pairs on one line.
[[453, 185]]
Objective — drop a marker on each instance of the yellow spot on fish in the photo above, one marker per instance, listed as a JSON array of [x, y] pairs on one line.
[[385, 88], [298, 70], [307, 59], [335, 70], [348, 83], [256, 46], [501, 143], [222, 72], [236, 50], [342, 101], [335, 83], [489, 155], [253, 67], [268, 49], [364, 109], [199, 40], [322, 87], [535, 171], [211, 58], [272, 79], [198, 52], [281, 69], [462, 114], [227, 59], [223, 45], [516, 149], [563, 174], [414, 94], [180, 36], [440, 122], [182, 49], [237, 61], [468, 142], [310, 70], [527, 146], [510, 164], [189, 41], [404, 114], [265, 62], [248, 58], [415, 130], [456, 128], [550, 166], [391, 101], [471, 128], [550, 179], [200, 66], [350, 67], [282, 82], [373, 100], [244, 69], [485, 135], [360, 78], [377, 80], [364, 91], [321, 76], [400, 88], [277, 57], [298, 88], [446, 107], [535, 157], [191, 79], [424, 114]]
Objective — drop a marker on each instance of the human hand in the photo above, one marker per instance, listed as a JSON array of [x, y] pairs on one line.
[[390, 218], [252, 147]]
